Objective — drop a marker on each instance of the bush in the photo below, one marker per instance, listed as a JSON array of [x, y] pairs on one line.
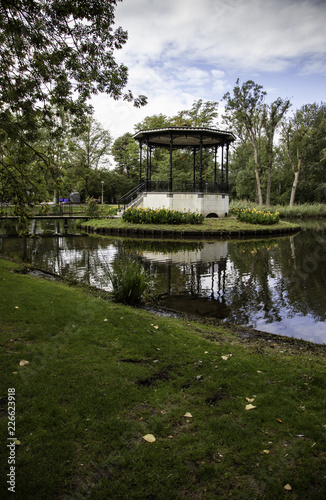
[[160, 216], [255, 216], [129, 280], [92, 209]]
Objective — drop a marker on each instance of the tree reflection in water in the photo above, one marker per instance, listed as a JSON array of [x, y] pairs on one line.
[[277, 285]]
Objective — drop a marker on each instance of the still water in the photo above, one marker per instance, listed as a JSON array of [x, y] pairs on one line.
[[276, 285]]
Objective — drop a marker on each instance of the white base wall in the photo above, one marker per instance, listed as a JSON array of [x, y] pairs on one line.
[[203, 203]]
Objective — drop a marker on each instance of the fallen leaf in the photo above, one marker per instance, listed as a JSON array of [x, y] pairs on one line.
[[250, 400], [17, 442], [105, 320], [156, 327], [250, 407], [16, 307], [14, 373], [23, 362], [187, 415], [149, 438], [225, 358], [280, 420], [288, 487], [266, 451]]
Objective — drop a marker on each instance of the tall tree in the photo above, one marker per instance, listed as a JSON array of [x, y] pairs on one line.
[[54, 54], [89, 151], [201, 114], [272, 116], [126, 155], [297, 134], [244, 111]]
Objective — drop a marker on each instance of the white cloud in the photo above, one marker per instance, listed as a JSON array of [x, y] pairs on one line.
[[182, 50]]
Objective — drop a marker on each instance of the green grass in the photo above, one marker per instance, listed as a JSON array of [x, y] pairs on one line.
[[220, 225], [102, 375]]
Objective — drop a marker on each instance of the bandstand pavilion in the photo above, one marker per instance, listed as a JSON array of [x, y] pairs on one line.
[[209, 198]]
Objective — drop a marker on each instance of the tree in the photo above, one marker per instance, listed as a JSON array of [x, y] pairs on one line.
[[272, 116], [244, 110], [202, 114], [297, 133], [89, 151], [55, 54], [126, 155]]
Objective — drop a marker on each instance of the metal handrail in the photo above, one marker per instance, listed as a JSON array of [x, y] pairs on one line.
[[131, 195]]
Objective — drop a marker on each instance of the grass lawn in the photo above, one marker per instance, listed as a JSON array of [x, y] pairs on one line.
[[220, 226], [101, 376]]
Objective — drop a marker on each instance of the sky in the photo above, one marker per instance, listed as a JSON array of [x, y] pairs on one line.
[[179, 51]]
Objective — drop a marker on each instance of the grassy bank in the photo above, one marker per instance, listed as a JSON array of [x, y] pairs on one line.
[[228, 226], [101, 376]]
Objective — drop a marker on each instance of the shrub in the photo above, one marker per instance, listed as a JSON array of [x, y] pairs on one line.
[[92, 209], [129, 280], [160, 216], [255, 216]]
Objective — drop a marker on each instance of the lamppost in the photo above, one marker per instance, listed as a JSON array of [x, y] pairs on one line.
[[102, 182]]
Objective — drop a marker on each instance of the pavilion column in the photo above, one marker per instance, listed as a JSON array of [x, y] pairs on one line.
[[194, 172], [150, 168], [215, 163], [140, 160], [227, 169], [170, 175], [201, 165], [147, 165], [222, 165]]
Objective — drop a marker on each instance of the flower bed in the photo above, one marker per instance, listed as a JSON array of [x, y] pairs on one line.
[[255, 216], [161, 216]]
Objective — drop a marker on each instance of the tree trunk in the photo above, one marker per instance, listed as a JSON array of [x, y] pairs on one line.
[[268, 190], [259, 192], [294, 187]]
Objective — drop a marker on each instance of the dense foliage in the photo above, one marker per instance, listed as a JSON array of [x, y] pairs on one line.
[[54, 56]]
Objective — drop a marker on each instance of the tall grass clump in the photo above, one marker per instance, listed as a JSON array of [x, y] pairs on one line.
[[161, 216], [129, 280], [285, 211]]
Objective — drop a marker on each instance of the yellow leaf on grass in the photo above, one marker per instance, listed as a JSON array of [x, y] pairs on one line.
[[279, 420], [250, 407], [288, 487], [23, 362], [149, 438], [16, 307], [266, 451], [187, 415], [250, 400]]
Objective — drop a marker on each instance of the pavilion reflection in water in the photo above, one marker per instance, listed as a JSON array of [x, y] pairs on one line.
[[194, 280]]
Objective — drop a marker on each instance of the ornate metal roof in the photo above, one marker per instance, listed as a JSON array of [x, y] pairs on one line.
[[184, 136]]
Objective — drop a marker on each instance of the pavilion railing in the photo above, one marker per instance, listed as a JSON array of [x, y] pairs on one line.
[[131, 195], [150, 186], [186, 186]]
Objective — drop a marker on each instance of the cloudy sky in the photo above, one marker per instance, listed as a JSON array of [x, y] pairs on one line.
[[180, 51]]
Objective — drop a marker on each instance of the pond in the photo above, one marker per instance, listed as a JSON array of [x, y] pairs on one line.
[[275, 285]]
